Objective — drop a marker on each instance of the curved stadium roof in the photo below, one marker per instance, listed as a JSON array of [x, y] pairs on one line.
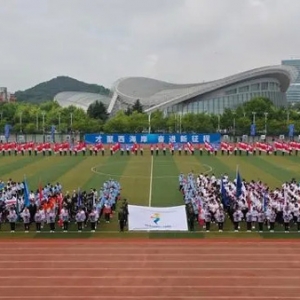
[[80, 99], [154, 94]]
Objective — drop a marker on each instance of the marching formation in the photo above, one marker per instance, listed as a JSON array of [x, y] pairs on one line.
[[225, 148], [211, 200], [48, 206]]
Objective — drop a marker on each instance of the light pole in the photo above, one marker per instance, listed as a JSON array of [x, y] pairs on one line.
[[234, 125], [253, 114], [71, 120], [20, 122], [59, 122], [149, 123], [180, 122], [43, 114], [266, 118], [37, 121]]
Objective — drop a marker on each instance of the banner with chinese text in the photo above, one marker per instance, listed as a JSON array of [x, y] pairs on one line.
[[95, 138]]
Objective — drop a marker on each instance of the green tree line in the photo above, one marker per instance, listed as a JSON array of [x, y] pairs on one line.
[[33, 118]]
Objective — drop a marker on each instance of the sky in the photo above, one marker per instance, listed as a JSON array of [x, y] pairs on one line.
[[179, 41]]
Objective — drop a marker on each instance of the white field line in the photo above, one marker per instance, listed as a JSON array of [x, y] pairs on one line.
[[103, 269], [70, 277], [198, 286], [151, 182], [152, 297], [195, 262], [79, 255], [158, 248]]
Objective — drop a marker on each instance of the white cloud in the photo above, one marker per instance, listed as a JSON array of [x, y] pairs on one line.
[[176, 40]]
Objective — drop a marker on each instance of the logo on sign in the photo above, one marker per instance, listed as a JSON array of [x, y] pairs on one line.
[[156, 218]]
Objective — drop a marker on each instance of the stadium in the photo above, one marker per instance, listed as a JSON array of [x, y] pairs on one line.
[[211, 97]]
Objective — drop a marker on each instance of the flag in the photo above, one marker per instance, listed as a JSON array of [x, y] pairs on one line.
[[201, 221], [2, 186], [239, 184], [265, 202], [252, 130], [40, 192], [225, 200], [26, 193], [53, 128], [7, 129], [291, 130], [79, 202]]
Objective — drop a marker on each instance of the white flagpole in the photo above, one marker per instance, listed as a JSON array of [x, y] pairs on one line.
[[149, 123]]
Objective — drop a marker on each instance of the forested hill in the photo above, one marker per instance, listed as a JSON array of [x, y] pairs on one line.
[[46, 91]]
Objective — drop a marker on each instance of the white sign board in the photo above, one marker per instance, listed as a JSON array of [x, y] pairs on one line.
[[143, 218]]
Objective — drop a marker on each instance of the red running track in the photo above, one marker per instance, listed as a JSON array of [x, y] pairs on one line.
[[103, 269]]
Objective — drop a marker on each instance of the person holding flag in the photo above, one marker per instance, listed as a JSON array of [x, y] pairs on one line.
[[80, 218], [220, 218], [287, 217], [260, 220], [237, 218], [272, 219], [249, 220], [51, 219], [38, 217], [93, 219], [208, 218], [64, 217], [12, 219], [26, 219]]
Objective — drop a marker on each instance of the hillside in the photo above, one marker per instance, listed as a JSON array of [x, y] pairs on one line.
[[46, 91]]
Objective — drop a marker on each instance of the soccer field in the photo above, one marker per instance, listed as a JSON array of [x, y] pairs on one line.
[[145, 180]]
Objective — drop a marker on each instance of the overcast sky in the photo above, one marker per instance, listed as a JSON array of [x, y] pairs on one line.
[[181, 41]]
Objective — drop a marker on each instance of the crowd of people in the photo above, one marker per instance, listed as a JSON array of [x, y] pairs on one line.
[[48, 207], [211, 200]]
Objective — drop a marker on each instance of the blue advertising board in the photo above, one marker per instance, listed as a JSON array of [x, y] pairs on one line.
[[94, 138]]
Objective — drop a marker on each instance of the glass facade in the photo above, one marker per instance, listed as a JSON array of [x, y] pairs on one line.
[[231, 97], [293, 93]]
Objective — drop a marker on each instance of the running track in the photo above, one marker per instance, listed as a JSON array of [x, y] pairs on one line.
[[139, 269]]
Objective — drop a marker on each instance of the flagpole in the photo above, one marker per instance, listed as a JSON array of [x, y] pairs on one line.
[[149, 123]]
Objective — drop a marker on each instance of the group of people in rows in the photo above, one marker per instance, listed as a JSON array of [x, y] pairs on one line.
[[48, 206], [212, 200]]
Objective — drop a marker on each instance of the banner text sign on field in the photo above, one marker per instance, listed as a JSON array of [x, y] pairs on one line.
[[143, 218], [95, 138]]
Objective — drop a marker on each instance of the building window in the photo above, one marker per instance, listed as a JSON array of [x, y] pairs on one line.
[[264, 86], [230, 92], [255, 87], [244, 89]]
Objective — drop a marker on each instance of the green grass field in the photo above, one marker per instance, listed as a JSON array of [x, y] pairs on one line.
[[144, 180]]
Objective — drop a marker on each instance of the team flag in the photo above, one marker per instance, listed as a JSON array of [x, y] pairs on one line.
[[239, 184], [26, 193], [40, 192], [225, 200]]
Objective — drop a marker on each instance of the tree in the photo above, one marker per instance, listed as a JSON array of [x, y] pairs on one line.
[[137, 106], [97, 110], [118, 124]]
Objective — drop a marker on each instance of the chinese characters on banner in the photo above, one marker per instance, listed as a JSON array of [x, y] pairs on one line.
[[152, 138]]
